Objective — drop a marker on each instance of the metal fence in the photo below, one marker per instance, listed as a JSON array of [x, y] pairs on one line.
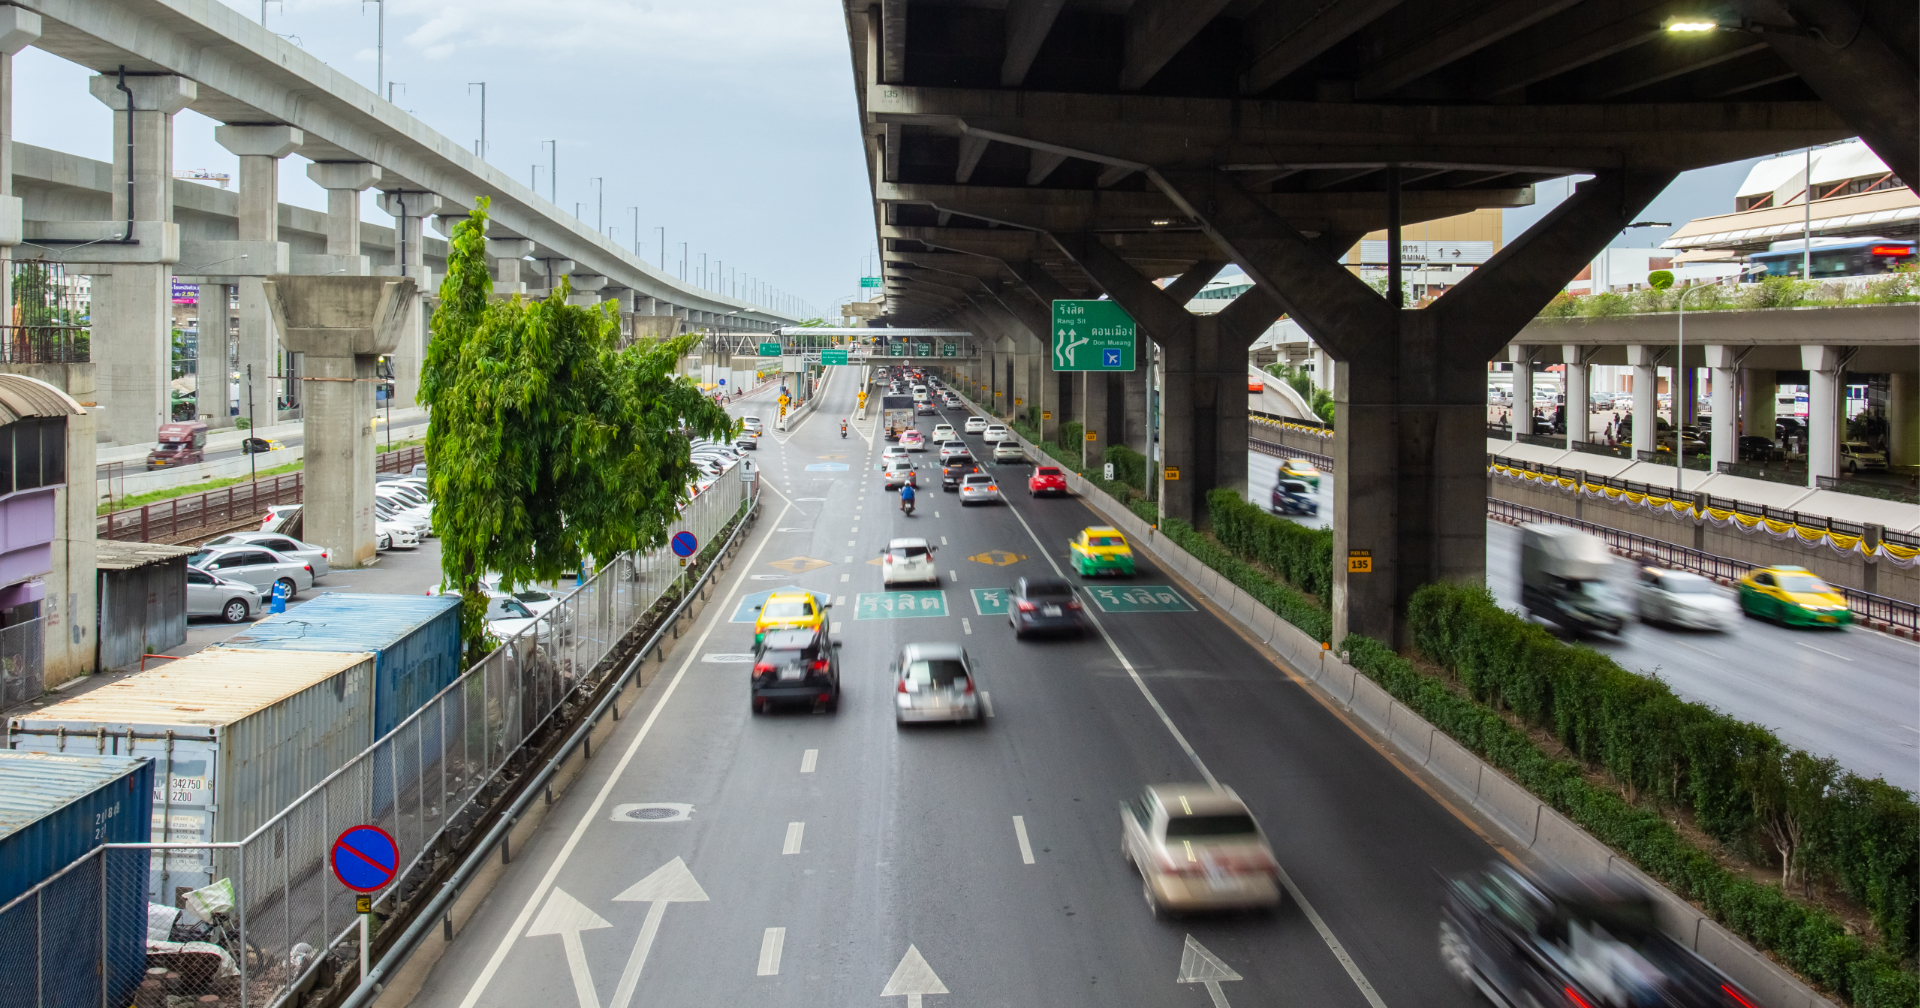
[[211, 510], [46, 324], [428, 783], [1282, 451], [23, 665]]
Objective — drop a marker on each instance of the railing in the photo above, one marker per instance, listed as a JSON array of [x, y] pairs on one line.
[[1544, 440], [1761, 473], [23, 667], [429, 783], [1696, 462], [1894, 612], [1859, 488], [45, 344], [183, 517], [1595, 448], [1282, 451], [400, 460]]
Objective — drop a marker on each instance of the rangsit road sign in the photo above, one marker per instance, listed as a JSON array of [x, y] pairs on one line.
[[1092, 336]]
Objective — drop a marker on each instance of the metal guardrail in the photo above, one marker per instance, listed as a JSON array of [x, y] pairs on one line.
[[1282, 451], [1894, 612], [211, 510], [1879, 491]]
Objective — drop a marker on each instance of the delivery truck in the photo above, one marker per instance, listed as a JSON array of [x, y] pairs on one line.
[[899, 415], [1563, 579]]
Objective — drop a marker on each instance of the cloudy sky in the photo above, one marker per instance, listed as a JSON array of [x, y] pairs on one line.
[[729, 123]]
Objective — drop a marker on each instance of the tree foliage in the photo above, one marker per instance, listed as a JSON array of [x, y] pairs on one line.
[[549, 443]]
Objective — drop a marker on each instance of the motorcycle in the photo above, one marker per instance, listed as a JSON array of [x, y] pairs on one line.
[[843, 429], [906, 506]]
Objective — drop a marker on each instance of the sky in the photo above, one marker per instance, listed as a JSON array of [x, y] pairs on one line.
[[729, 123]]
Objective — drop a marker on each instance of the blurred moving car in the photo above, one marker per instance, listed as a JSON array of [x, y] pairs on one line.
[[934, 682], [953, 451], [1197, 847], [896, 473], [913, 440], [908, 561], [974, 425], [1043, 605], [315, 556], [978, 488], [1301, 470], [178, 444], [790, 610], [1100, 549], [1563, 579], [1571, 940], [255, 565], [795, 667], [209, 594], [1680, 598], [1292, 497], [944, 432], [893, 451], [1047, 480], [1009, 451], [1794, 596]]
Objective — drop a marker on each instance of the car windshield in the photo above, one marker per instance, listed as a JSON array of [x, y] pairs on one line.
[[1803, 583], [201, 558], [1105, 541], [937, 672], [787, 610], [506, 608], [1597, 592], [1049, 590], [979, 480], [908, 552], [1687, 586], [1211, 826]]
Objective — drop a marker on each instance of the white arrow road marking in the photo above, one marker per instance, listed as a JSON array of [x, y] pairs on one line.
[[770, 945], [914, 978], [1197, 965], [795, 830], [670, 883], [566, 917]]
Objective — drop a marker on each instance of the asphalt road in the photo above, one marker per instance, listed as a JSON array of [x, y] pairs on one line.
[[402, 430], [862, 841], [1850, 693]]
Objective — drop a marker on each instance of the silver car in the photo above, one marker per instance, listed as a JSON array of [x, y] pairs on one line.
[[209, 594], [1009, 451], [978, 488], [934, 682], [1197, 847], [286, 545], [1678, 598], [255, 565]]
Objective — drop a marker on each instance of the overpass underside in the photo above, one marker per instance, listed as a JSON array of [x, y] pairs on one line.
[[1054, 149]]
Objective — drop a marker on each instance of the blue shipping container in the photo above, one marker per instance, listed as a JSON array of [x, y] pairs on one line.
[[416, 639], [54, 808]]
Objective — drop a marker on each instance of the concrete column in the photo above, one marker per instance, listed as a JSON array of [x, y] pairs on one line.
[[1022, 384], [260, 149], [1646, 396], [1903, 418], [1134, 397], [344, 181], [1759, 390], [1047, 392], [340, 325], [408, 208], [1723, 441], [19, 27], [1579, 394], [1521, 416], [1091, 411], [213, 372], [1823, 366], [132, 301]]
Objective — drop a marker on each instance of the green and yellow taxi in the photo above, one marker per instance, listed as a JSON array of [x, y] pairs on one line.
[[1100, 550], [1302, 470], [789, 610], [1794, 596]]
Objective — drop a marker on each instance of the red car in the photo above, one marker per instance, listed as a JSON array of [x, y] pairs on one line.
[[1047, 479]]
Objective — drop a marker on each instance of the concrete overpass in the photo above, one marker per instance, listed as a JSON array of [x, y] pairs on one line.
[[155, 58], [1031, 151]]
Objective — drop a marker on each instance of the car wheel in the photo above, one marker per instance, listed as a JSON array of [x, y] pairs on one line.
[[235, 610], [292, 589], [755, 706]]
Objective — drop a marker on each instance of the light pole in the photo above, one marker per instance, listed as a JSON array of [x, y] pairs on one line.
[[553, 171], [663, 247], [480, 148], [600, 211], [636, 231], [379, 41]]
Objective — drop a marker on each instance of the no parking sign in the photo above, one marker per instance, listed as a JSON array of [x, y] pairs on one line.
[[365, 858]]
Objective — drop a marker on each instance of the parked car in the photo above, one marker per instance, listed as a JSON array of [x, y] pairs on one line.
[[1197, 847], [1043, 605], [908, 561], [978, 488], [1858, 455], [1046, 479], [795, 667], [1680, 598], [209, 594], [1754, 448], [934, 682], [255, 565], [286, 545]]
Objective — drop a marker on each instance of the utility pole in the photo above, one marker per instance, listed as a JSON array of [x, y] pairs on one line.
[[480, 151], [379, 40], [663, 246], [683, 262], [553, 171], [533, 180], [636, 231], [600, 214]]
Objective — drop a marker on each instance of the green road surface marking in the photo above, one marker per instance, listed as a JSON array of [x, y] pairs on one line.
[[899, 604], [1137, 598]]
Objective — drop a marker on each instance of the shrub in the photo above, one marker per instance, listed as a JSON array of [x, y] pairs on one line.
[[1288, 603], [1303, 556], [1071, 434], [1129, 466], [1562, 306]]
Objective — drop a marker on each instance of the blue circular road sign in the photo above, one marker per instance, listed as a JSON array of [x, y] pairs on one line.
[[685, 544], [365, 858]]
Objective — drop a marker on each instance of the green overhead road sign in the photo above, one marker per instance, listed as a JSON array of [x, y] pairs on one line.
[[949, 350], [1092, 336], [769, 349], [869, 281], [833, 356]]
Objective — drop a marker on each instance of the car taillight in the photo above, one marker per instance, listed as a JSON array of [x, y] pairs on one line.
[[1026, 606], [1073, 605], [903, 686], [323, 554], [1574, 998], [969, 689], [1734, 994], [825, 697], [762, 667], [889, 558], [307, 567], [820, 666]]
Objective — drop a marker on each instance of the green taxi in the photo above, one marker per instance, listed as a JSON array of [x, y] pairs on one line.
[[1794, 596], [1100, 550]]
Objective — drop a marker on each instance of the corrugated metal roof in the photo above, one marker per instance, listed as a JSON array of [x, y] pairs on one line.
[[217, 686], [35, 785], [112, 554], [367, 622], [22, 397]]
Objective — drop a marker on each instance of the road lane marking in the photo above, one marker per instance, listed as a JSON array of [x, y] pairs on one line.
[[1020, 832], [836, 626], [955, 575], [669, 883], [843, 577], [840, 600], [592, 813], [1823, 651], [1326, 934], [770, 944], [943, 540], [964, 625], [986, 701], [808, 759], [795, 830], [1702, 650]]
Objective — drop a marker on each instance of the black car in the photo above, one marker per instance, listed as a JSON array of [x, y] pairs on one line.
[[1756, 448], [1291, 497], [950, 475], [797, 667], [1570, 940], [1043, 605]]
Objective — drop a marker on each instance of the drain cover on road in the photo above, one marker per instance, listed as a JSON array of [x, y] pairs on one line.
[[652, 812]]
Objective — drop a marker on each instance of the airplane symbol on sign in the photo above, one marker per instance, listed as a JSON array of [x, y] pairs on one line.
[[1112, 357]]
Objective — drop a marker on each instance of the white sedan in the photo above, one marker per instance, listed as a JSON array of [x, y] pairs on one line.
[[996, 433], [908, 561], [1678, 598], [975, 424]]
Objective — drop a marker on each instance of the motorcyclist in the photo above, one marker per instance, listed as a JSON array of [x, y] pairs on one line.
[[843, 428], [906, 498]]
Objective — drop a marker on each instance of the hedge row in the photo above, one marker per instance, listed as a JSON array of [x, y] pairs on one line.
[[1745, 787], [1288, 603], [1809, 940], [1302, 555]]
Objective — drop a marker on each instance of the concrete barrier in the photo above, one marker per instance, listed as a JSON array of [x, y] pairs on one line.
[[1411, 733], [1451, 762], [1560, 842], [1512, 806]]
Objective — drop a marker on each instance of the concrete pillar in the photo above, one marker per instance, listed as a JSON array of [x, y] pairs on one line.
[[1579, 397], [1134, 397], [1091, 410], [1521, 415], [213, 370], [1646, 396], [1021, 384], [408, 208], [1759, 390], [260, 149], [133, 301], [1724, 441], [344, 181], [1047, 392], [1203, 419], [1823, 364], [340, 325], [1903, 418], [19, 27], [509, 256]]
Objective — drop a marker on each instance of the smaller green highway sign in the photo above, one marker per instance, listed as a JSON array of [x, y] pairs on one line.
[[949, 350], [1092, 336], [869, 281], [833, 356], [769, 349]]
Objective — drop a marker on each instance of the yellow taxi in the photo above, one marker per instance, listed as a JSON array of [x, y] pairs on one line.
[[1794, 596], [790, 610], [1098, 550], [1302, 470]]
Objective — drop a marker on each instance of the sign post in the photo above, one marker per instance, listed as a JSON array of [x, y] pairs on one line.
[[365, 860], [1092, 336], [686, 544]]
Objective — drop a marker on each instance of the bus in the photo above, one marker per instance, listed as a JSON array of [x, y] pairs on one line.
[[1836, 257]]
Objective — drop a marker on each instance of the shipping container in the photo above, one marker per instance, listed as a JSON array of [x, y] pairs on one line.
[[416, 639], [237, 735], [55, 808]]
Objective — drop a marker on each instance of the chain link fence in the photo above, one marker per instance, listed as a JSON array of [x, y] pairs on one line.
[[23, 667], [428, 783]]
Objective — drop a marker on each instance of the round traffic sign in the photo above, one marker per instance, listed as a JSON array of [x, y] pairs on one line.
[[685, 544], [365, 858]]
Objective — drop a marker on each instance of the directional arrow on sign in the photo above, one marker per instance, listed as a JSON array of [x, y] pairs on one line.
[[566, 917], [914, 978], [670, 883], [1197, 965]]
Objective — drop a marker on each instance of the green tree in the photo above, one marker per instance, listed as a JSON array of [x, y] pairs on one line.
[[548, 444]]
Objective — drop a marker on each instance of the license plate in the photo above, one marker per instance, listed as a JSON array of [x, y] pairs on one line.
[[791, 674], [1052, 610], [1826, 619]]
